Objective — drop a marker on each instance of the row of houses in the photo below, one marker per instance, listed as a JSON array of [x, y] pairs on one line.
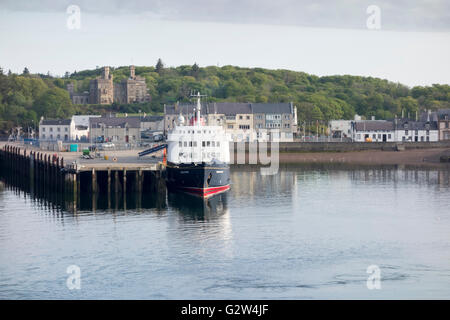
[[243, 121], [92, 128], [432, 126]]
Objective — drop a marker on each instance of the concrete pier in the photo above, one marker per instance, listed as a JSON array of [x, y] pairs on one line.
[[76, 178]]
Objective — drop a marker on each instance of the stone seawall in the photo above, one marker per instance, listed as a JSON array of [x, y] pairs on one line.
[[351, 146]]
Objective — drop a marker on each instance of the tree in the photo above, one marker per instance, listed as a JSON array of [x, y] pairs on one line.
[[54, 103], [26, 72], [159, 66], [195, 70]]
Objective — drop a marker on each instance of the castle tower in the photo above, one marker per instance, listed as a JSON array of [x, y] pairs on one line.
[[105, 73], [132, 72]]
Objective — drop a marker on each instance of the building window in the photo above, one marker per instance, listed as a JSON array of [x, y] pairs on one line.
[[230, 126], [43, 136], [43, 129], [428, 132], [358, 136], [389, 136], [406, 132], [248, 117], [286, 125], [374, 136], [240, 117], [51, 129], [244, 126]]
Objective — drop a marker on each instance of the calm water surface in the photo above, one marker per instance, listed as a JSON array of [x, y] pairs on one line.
[[306, 233]]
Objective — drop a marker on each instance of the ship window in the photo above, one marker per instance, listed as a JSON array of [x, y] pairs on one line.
[[203, 143], [208, 143], [213, 144], [185, 143], [190, 143], [195, 143], [218, 143], [181, 144]]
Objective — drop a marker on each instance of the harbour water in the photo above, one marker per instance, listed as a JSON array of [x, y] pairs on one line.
[[309, 232]]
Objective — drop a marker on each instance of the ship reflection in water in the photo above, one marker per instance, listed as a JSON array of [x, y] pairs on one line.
[[198, 209]]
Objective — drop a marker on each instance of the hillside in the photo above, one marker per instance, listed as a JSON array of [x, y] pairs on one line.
[[25, 98]]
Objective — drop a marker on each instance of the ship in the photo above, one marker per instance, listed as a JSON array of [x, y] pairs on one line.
[[197, 156]]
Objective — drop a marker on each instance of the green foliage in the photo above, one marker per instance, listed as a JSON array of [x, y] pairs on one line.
[[24, 99]]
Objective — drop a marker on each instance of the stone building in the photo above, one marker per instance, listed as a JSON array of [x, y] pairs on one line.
[[102, 90], [77, 98], [133, 89]]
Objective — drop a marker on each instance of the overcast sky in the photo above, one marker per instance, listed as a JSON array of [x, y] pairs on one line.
[[320, 37]]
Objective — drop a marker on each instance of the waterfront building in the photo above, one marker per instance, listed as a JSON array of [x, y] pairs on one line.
[[397, 130], [416, 131], [242, 121], [79, 129], [443, 122], [53, 129], [152, 123], [373, 131], [340, 129], [118, 130]]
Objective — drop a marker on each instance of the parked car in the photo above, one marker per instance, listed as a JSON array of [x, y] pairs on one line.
[[108, 145]]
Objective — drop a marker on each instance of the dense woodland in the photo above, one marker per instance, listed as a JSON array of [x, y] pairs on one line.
[[26, 97]]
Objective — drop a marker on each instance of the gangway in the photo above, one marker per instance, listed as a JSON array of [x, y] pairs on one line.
[[152, 150]]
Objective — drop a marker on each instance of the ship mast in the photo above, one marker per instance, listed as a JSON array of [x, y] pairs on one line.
[[199, 106]]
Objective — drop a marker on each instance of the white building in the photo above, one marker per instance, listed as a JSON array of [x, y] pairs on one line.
[[416, 131], [52, 130], [398, 130], [340, 128], [79, 130], [373, 131]]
